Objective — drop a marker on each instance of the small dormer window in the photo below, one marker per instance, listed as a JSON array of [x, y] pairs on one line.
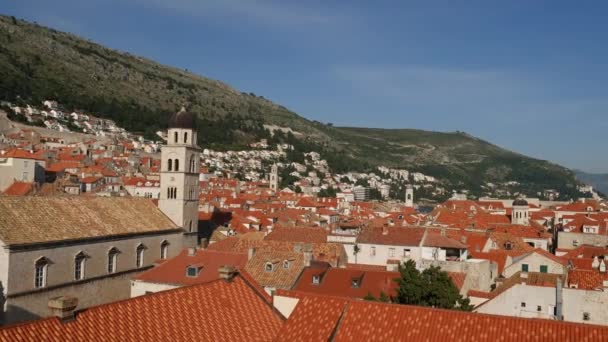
[[192, 272], [316, 279], [286, 264], [268, 267], [508, 246], [355, 283]]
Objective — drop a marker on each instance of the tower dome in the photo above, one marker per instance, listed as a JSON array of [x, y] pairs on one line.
[[520, 202], [183, 119]]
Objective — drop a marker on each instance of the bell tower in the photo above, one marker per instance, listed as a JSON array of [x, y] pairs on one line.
[[179, 173], [274, 178], [409, 196]]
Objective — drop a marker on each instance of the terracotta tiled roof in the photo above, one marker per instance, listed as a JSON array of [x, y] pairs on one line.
[[285, 267], [586, 251], [90, 180], [434, 239], [506, 241], [60, 166], [19, 154], [314, 319], [495, 256], [339, 282], [19, 189], [333, 253], [318, 235], [216, 311], [372, 321], [25, 220], [587, 279], [398, 236], [173, 271]]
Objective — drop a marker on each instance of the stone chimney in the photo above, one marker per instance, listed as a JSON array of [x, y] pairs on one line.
[[250, 253], [443, 231], [227, 272], [307, 257], [558, 299], [63, 307], [596, 262], [385, 229]]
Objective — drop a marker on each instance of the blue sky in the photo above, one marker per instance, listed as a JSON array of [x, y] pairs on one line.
[[530, 76]]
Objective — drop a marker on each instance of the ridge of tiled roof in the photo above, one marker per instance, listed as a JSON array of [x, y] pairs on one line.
[[216, 311]]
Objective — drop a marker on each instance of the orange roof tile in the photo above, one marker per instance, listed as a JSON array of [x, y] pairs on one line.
[[19, 189], [215, 311], [318, 235], [339, 282], [356, 320], [173, 271]]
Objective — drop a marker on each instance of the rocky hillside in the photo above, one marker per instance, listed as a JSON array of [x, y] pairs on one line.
[[39, 63]]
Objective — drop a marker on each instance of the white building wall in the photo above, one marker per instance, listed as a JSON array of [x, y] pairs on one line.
[[383, 254], [534, 261], [522, 301], [285, 305], [11, 169], [575, 303], [4, 258], [140, 288]]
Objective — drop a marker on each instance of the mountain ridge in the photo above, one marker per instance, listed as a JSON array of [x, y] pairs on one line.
[[38, 63]]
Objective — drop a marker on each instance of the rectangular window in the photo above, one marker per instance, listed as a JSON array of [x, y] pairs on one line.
[[40, 276], [406, 252], [524, 268], [586, 316], [191, 272], [372, 251], [111, 263], [539, 308], [391, 252], [544, 268], [24, 176], [523, 304], [140, 258], [79, 268]]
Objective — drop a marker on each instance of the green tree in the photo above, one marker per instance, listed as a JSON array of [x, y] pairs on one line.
[[431, 287]]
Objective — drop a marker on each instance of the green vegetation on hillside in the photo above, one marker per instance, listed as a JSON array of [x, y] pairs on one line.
[[38, 63]]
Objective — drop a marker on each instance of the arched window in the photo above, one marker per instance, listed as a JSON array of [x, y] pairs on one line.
[[175, 137], [112, 259], [139, 255], [164, 249], [79, 264], [40, 273], [176, 164], [169, 165], [192, 164], [185, 137]]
